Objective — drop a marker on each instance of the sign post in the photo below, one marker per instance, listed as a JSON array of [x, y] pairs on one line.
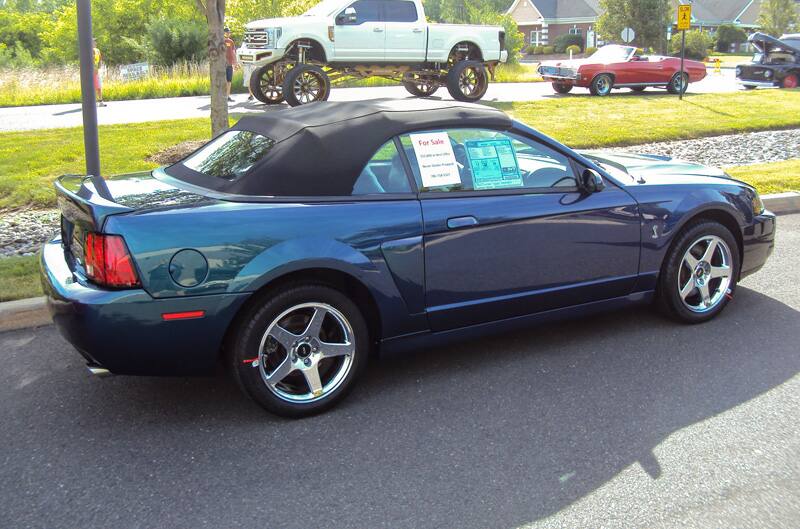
[[684, 23]]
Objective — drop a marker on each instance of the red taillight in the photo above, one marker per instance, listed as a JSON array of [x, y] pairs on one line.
[[108, 262]]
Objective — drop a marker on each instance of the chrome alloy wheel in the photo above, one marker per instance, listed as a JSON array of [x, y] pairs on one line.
[[603, 85], [306, 352], [678, 83], [705, 274], [308, 87]]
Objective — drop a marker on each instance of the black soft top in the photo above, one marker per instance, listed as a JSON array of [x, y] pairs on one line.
[[322, 147]]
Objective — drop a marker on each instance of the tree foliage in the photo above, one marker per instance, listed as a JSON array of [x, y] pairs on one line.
[[697, 44], [480, 12], [778, 17], [727, 35], [649, 19]]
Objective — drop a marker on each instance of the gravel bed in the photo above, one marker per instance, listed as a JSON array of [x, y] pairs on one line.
[[734, 149], [22, 232]]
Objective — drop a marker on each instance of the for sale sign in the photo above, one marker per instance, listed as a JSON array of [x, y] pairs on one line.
[[437, 162], [132, 72]]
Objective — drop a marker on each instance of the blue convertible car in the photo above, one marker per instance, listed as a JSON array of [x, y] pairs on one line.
[[295, 243]]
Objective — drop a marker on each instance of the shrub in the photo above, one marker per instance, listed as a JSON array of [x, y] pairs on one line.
[[573, 49], [590, 50], [531, 50], [548, 50], [563, 41], [697, 44], [727, 35], [173, 40]]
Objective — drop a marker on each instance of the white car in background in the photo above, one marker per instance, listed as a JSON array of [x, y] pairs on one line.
[[295, 58]]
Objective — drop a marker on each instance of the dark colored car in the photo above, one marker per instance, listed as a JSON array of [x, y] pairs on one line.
[[615, 66], [776, 62], [299, 241]]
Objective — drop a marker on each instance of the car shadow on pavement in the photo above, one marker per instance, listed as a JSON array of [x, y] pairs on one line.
[[496, 432]]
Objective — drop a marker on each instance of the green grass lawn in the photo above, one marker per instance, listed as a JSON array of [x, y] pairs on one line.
[[19, 278], [770, 177]]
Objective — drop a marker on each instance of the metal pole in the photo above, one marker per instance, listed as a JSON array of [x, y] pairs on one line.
[[90, 139], [683, 53]]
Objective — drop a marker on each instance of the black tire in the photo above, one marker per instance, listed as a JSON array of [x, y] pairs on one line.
[[420, 90], [668, 295], [675, 85], [637, 89], [746, 87], [601, 85], [467, 81], [306, 83], [264, 87], [248, 338], [562, 88]]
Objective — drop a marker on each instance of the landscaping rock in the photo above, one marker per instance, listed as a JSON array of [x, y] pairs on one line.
[[175, 153], [22, 232], [725, 151]]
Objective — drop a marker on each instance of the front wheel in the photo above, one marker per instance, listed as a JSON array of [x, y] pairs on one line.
[[678, 84], [306, 83], [699, 275], [790, 81], [467, 81], [601, 85], [420, 88], [301, 350], [266, 86], [562, 88]]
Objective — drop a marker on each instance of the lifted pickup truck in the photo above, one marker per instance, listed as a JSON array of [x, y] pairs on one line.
[[295, 59]]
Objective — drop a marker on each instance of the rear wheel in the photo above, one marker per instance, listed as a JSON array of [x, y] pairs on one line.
[[562, 88], [790, 81], [678, 84], [467, 81], [265, 87], [306, 83], [420, 88], [699, 274], [301, 350], [601, 85]]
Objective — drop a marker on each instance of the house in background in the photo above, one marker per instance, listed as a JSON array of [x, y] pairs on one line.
[[710, 14], [541, 21]]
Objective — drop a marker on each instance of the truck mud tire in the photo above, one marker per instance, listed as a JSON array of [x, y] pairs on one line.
[[562, 88], [467, 81], [263, 85], [305, 84], [420, 89]]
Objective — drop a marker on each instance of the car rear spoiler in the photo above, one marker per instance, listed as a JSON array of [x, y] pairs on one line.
[[82, 202], [766, 44]]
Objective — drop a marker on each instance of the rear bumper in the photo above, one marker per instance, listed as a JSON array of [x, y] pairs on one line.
[[123, 330], [759, 241]]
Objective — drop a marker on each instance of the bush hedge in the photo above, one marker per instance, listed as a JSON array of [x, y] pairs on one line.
[[562, 42]]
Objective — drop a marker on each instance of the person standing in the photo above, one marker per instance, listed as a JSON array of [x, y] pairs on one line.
[[230, 58], [98, 80]]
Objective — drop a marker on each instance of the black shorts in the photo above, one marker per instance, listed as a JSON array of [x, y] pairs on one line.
[[229, 73]]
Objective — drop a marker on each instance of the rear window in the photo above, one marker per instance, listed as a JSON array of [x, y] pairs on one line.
[[230, 155]]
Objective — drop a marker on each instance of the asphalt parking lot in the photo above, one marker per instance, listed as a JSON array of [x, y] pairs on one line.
[[622, 420]]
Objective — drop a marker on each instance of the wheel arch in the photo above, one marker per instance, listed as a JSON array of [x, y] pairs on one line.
[[476, 47], [604, 72], [340, 280], [317, 52]]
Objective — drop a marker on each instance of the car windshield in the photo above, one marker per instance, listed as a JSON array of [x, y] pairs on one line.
[[613, 53], [324, 8], [230, 155]]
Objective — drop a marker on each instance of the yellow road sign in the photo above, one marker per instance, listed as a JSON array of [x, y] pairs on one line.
[[684, 17]]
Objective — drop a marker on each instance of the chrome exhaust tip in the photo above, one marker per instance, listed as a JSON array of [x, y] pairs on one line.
[[98, 371]]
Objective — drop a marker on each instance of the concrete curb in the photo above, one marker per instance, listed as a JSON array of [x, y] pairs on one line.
[[27, 313]]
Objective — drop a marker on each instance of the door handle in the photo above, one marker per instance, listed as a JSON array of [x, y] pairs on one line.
[[378, 30], [461, 222]]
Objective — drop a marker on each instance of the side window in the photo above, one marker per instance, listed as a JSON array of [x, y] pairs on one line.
[[485, 160], [399, 11], [366, 11], [384, 173]]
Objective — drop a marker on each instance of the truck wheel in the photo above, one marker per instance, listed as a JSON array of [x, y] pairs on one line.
[[601, 85], [264, 87], [678, 84], [790, 81], [562, 88], [467, 81], [306, 83], [420, 89]]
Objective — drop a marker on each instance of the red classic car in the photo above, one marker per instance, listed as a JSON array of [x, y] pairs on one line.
[[615, 66]]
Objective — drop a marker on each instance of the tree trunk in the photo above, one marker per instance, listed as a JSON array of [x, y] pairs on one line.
[[214, 11]]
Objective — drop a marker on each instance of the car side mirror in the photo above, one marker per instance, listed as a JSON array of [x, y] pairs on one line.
[[591, 181], [348, 16]]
